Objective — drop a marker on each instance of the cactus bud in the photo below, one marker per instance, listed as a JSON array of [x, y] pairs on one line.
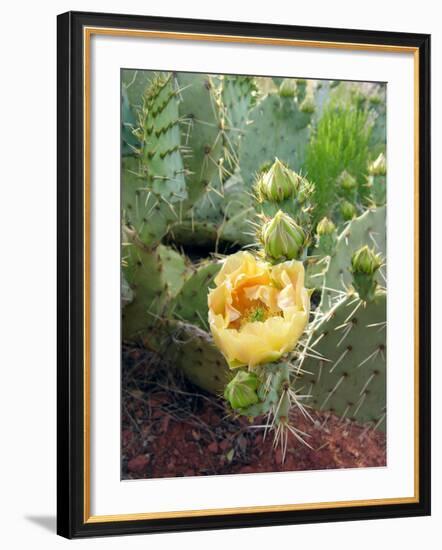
[[364, 266], [241, 391], [308, 104], [347, 181], [365, 261], [288, 87], [325, 227], [378, 167], [326, 237], [282, 238], [348, 210], [278, 183]]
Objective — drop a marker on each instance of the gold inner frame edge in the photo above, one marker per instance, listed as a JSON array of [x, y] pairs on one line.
[[87, 34]]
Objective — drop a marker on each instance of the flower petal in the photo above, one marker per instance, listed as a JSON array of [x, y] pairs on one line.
[[281, 288]]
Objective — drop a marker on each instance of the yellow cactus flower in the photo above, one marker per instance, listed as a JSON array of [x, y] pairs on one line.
[[257, 311]]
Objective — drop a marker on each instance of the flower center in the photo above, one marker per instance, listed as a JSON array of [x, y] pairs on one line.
[[258, 314], [252, 311]]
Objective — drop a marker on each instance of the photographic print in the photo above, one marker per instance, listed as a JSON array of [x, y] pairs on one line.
[[225, 261], [253, 274]]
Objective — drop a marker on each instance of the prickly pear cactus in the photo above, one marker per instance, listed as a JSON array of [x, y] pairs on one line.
[[151, 278], [346, 368], [327, 267], [367, 229], [143, 211], [190, 304], [154, 183], [144, 272], [199, 109], [279, 129], [159, 133], [238, 94], [191, 349]]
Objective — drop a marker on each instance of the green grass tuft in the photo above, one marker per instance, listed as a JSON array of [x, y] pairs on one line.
[[341, 142]]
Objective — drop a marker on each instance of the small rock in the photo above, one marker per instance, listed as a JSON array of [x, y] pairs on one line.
[[138, 464]]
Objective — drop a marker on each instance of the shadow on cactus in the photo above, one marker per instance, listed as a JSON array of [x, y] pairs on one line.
[[253, 287]]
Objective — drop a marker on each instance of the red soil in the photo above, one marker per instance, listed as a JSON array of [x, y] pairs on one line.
[[170, 430]]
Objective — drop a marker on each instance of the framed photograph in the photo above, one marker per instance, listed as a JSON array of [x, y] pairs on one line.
[[243, 274]]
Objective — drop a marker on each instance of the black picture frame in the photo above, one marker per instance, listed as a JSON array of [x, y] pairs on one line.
[[71, 393]]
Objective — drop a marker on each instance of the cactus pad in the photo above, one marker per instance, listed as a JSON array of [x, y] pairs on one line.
[[153, 277], [190, 304], [351, 379], [238, 95], [192, 350], [200, 127], [144, 273], [279, 129], [333, 272]]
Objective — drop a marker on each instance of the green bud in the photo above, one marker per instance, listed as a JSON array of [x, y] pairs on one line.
[[241, 391], [348, 210], [347, 181], [278, 183], [364, 266], [282, 238], [365, 260], [378, 167], [325, 227], [308, 104], [326, 237], [288, 87]]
